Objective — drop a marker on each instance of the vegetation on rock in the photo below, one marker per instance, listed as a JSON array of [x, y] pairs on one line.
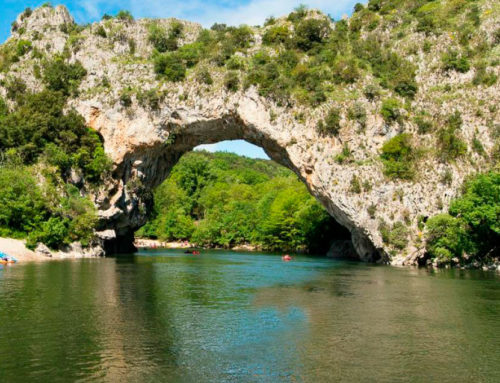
[[471, 229], [45, 148]]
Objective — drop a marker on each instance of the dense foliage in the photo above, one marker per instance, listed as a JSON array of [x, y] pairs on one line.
[[43, 212], [223, 200], [472, 227], [44, 148]]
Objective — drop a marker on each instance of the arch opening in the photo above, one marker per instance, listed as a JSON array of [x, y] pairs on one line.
[[225, 200]]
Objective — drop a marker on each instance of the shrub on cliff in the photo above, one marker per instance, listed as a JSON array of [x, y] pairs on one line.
[[391, 110], [171, 66], [453, 60], [397, 156], [473, 223], [63, 77], [161, 40], [125, 16], [395, 235], [232, 81], [278, 34], [450, 143], [331, 123], [40, 120], [311, 32]]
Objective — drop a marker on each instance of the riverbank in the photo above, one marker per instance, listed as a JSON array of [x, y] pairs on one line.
[[146, 243], [17, 249]]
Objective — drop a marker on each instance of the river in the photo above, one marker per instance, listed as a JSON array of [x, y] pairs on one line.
[[163, 316]]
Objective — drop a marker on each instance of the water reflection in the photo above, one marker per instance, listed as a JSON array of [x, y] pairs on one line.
[[164, 316]]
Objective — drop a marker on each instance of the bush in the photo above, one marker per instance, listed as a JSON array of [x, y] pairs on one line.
[[298, 14], [372, 210], [171, 66], [4, 109], [16, 88], [126, 98], [472, 225], [101, 32], [453, 60], [355, 185], [27, 13], [445, 237], [150, 99], [345, 71], [205, 77], [397, 156], [279, 34], [53, 233], [161, 41], [311, 32], [483, 76], [22, 205], [395, 236], [125, 16], [424, 123], [176, 29], [479, 209], [232, 81], [235, 63], [391, 110], [23, 47], [190, 54], [331, 123], [406, 88], [358, 7], [240, 37], [63, 77], [358, 113], [451, 145], [288, 60], [371, 92], [39, 120]]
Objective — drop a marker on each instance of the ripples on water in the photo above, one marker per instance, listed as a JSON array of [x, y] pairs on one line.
[[236, 317]]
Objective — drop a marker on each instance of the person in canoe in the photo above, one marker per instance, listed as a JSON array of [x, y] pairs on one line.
[[193, 252], [286, 258], [4, 258]]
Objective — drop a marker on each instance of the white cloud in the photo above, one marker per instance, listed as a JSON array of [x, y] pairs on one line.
[[256, 11], [232, 12]]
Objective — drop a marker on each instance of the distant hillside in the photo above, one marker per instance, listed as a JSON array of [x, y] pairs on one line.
[[224, 200]]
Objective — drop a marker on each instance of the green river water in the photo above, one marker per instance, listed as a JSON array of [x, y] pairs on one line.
[[163, 316]]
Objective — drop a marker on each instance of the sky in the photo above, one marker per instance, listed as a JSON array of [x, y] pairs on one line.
[[205, 12]]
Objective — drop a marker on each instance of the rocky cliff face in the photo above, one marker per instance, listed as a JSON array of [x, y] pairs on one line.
[[145, 142]]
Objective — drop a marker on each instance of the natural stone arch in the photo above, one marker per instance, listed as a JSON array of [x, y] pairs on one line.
[[135, 136], [144, 155]]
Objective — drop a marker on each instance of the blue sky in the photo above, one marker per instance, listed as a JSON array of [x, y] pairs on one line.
[[206, 12]]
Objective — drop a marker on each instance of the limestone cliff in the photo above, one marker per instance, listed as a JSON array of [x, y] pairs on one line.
[[146, 136]]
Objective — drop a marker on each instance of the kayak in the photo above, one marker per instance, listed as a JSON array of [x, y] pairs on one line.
[[4, 259]]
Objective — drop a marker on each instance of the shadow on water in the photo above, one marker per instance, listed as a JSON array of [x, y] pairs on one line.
[[225, 316]]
